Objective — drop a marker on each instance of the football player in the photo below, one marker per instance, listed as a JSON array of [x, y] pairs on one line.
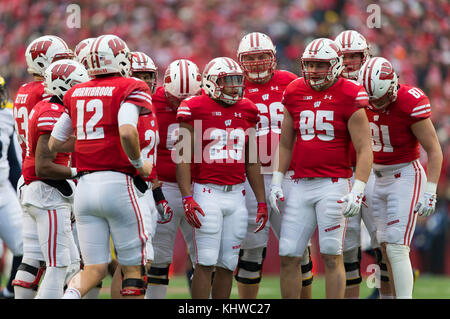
[[102, 115], [400, 123], [39, 54], [10, 210], [182, 79], [264, 85], [222, 125], [325, 112], [355, 49], [47, 218]]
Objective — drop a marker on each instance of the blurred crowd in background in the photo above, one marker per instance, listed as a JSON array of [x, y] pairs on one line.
[[414, 35]]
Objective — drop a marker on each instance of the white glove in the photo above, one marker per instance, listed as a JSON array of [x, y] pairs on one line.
[[427, 204], [354, 199], [276, 192]]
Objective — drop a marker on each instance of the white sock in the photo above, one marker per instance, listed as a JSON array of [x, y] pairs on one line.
[[93, 293], [7, 293], [52, 286], [401, 270], [386, 296], [156, 292], [72, 293]]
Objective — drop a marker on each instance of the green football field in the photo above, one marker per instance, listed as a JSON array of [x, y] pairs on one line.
[[426, 287]]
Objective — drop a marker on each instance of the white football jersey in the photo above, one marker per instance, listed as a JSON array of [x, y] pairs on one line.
[[6, 136]]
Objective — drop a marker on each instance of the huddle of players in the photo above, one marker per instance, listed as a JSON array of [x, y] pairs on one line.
[[117, 136]]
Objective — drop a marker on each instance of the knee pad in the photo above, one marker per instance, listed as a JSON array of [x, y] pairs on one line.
[[249, 268], [396, 252], [133, 282], [31, 272], [352, 265], [158, 275], [306, 267]]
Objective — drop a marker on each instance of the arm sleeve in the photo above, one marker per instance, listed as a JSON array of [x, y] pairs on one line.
[[128, 114], [14, 165], [140, 98], [63, 128], [184, 113]]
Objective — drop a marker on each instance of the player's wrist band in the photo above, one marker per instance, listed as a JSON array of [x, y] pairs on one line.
[[137, 163], [262, 204], [277, 178], [187, 196], [430, 187], [158, 194], [73, 171], [358, 186]]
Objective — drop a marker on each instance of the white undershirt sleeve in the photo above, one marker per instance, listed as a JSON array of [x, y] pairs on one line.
[[128, 114], [63, 128]]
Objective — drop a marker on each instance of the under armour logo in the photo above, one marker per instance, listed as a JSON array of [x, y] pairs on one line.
[[317, 104], [237, 114], [327, 97], [227, 122], [274, 87], [206, 190], [265, 97]]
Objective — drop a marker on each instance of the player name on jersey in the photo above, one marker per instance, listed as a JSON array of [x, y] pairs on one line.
[[94, 91]]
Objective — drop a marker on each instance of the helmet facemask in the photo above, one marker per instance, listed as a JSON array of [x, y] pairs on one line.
[[353, 64], [256, 67], [318, 79], [229, 88]]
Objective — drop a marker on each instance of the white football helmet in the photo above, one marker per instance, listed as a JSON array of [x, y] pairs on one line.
[[42, 51], [82, 49], [322, 50], [109, 54], [252, 44], [141, 62], [182, 79], [380, 82], [223, 79], [351, 41], [61, 75]]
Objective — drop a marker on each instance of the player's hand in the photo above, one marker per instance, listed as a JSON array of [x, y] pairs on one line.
[[190, 209], [145, 170], [426, 205], [354, 199], [165, 213], [276, 193], [262, 215]]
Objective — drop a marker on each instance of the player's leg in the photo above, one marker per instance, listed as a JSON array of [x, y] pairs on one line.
[[306, 267], [251, 257], [163, 243], [233, 232], [295, 233], [11, 233], [32, 267], [401, 224], [206, 239], [352, 257], [331, 228], [55, 237]]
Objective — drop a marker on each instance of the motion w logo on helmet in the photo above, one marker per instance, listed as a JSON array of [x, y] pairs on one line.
[[117, 46], [40, 48], [386, 72], [62, 71]]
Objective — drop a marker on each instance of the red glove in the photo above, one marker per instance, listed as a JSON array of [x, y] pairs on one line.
[[262, 215], [190, 206], [165, 212]]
